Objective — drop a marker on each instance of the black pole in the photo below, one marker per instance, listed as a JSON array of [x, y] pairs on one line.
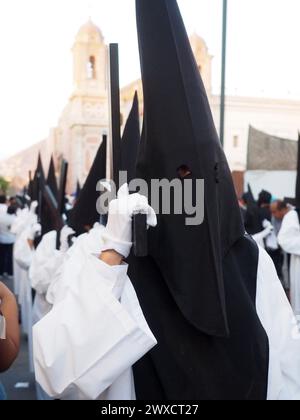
[[223, 81], [139, 225], [115, 113]]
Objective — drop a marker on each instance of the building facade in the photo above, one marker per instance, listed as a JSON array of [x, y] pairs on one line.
[[271, 164], [82, 123]]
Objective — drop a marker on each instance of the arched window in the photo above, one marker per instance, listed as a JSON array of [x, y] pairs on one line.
[[236, 141], [91, 68]]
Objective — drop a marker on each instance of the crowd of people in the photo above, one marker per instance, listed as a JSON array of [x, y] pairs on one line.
[[274, 224], [204, 314]]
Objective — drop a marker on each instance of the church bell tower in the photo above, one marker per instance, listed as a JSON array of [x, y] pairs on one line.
[[90, 61], [85, 118]]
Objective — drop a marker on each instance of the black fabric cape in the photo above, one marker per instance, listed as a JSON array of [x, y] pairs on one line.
[[194, 289], [51, 179], [190, 365]]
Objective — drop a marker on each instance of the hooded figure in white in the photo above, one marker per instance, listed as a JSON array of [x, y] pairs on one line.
[[24, 252], [86, 346], [289, 240], [25, 218]]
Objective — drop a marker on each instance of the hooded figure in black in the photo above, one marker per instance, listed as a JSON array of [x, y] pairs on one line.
[[84, 214], [50, 219], [131, 141], [253, 218], [249, 196], [197, 287], [38, 181]]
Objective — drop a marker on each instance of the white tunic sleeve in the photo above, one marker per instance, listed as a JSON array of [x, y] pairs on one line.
[[91, 339], [289, 235], [278, 320]]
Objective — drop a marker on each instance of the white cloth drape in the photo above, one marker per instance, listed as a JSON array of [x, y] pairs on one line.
[[277, 318], [85, 347]]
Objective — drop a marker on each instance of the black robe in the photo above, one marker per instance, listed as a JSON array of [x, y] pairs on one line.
[[190, 365]]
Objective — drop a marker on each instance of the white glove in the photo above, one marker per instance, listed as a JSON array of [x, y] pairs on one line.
[[34, 231], [268, 227], [118, 233], [65, 233], [33, 207]]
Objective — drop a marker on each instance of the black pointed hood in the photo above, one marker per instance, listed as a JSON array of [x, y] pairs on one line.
[[264, 198], [78, 190], [40, 168], [251, 199], [38, 180], [51, 179], [131, 140], [248, 197], [85, 212], [48, 217], [254, 216], [179, 132]]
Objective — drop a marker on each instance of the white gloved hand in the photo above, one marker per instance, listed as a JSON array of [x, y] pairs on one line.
[[34, 231], [118, 233], [268, 227], [33, 207], [65, 233]]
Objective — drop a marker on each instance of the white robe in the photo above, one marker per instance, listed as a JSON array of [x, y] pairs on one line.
[[86, 346], [45, 262], [289, 240], [279, 322]]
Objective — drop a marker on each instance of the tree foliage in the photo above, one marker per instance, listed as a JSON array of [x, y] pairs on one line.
[[4, 185]]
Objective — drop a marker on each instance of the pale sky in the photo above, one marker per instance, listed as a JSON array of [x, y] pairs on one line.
[[36, 37]]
